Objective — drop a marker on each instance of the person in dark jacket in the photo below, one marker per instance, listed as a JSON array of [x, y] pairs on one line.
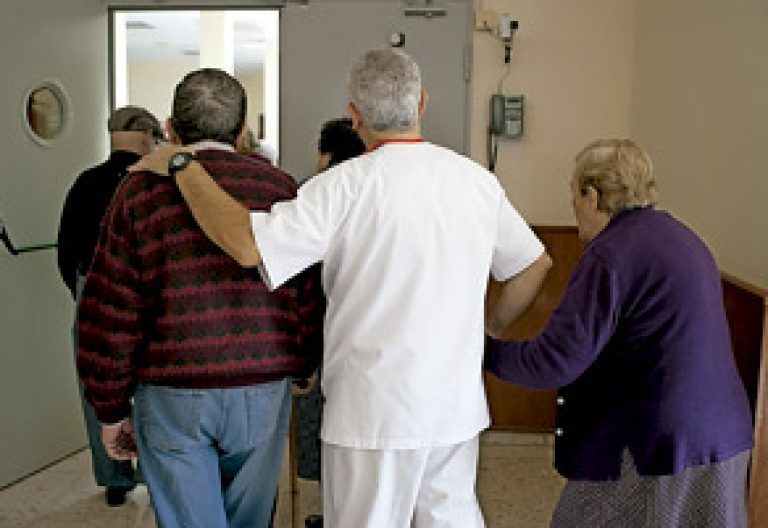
[[132, 132], [338, 142], [653, 423]]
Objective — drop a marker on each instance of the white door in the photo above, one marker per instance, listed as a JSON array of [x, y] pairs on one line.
[[64, 43]]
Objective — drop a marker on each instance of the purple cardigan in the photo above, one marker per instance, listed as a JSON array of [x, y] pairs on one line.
[[640, 348]]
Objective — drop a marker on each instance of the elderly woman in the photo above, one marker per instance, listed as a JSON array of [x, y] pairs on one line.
[[653, 425]]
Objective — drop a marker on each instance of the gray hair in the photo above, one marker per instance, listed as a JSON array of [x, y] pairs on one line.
[[620, 171], [385, 87], [208, 104]]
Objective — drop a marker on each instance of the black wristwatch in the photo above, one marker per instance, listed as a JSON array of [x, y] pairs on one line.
[[179, 161]]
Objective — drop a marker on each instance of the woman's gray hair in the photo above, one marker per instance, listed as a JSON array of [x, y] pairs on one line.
[[385, 87], [620, 171]]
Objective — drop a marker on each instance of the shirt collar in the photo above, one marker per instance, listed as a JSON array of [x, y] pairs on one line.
[[212, 145], [387, 141]]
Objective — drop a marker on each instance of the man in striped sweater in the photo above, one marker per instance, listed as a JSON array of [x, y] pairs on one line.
[[183, 349]]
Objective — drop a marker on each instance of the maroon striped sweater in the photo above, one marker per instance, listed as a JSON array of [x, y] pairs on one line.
[[163, 305]]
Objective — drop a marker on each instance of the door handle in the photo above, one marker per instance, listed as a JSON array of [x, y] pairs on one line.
[[13, 250]]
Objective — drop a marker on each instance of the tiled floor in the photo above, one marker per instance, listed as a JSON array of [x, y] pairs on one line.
[[516, 485]]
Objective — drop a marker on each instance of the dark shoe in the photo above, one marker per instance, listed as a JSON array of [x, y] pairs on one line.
[[313, 521], [116, 495]]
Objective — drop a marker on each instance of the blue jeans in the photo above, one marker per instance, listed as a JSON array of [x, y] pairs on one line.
[[211, 458], [106, 471]]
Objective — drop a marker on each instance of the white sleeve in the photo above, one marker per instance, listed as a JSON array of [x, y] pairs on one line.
[[516, 247], [295, 234]]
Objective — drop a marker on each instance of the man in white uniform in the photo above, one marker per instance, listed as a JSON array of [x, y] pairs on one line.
[[407, 234]]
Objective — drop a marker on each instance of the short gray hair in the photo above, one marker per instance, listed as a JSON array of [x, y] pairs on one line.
[[208, 104], [385, 87]]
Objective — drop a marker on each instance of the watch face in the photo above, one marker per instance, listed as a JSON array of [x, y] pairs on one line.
[[178, 161]]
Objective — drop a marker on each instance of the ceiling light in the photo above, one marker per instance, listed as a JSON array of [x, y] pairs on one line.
[[138, 24]]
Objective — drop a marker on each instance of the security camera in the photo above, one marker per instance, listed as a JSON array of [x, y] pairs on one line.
[[507, 27]]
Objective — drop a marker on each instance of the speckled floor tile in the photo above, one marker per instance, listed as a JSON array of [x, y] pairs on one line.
[[64, 496], [516, 484]]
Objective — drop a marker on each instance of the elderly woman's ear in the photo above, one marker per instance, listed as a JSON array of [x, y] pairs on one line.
[[591, 194]]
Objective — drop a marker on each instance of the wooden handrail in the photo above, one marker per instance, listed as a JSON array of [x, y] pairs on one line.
[[745, 285]]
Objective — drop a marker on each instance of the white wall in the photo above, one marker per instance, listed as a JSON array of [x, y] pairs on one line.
[[700, 107], [40, 418], [573, 62]]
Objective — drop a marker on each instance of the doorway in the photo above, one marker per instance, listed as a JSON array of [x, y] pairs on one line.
[[152, 50]]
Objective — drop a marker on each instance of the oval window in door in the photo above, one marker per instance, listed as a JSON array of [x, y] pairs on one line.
[[46, 112]]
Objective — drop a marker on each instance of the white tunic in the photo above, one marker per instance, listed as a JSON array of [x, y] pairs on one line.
[[407, 235]]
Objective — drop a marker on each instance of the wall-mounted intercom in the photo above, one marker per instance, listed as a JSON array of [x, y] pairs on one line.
[[506, 115], [506, 111]]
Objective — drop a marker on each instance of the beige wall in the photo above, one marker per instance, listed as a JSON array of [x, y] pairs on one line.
[[573, 62], [151, 84], [684, 77], [701, 108], [253, 82]]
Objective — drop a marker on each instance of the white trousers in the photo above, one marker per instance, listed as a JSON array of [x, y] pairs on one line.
[[401, 488]]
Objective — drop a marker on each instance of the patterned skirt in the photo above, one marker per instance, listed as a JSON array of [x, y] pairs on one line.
[[709, 496]]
